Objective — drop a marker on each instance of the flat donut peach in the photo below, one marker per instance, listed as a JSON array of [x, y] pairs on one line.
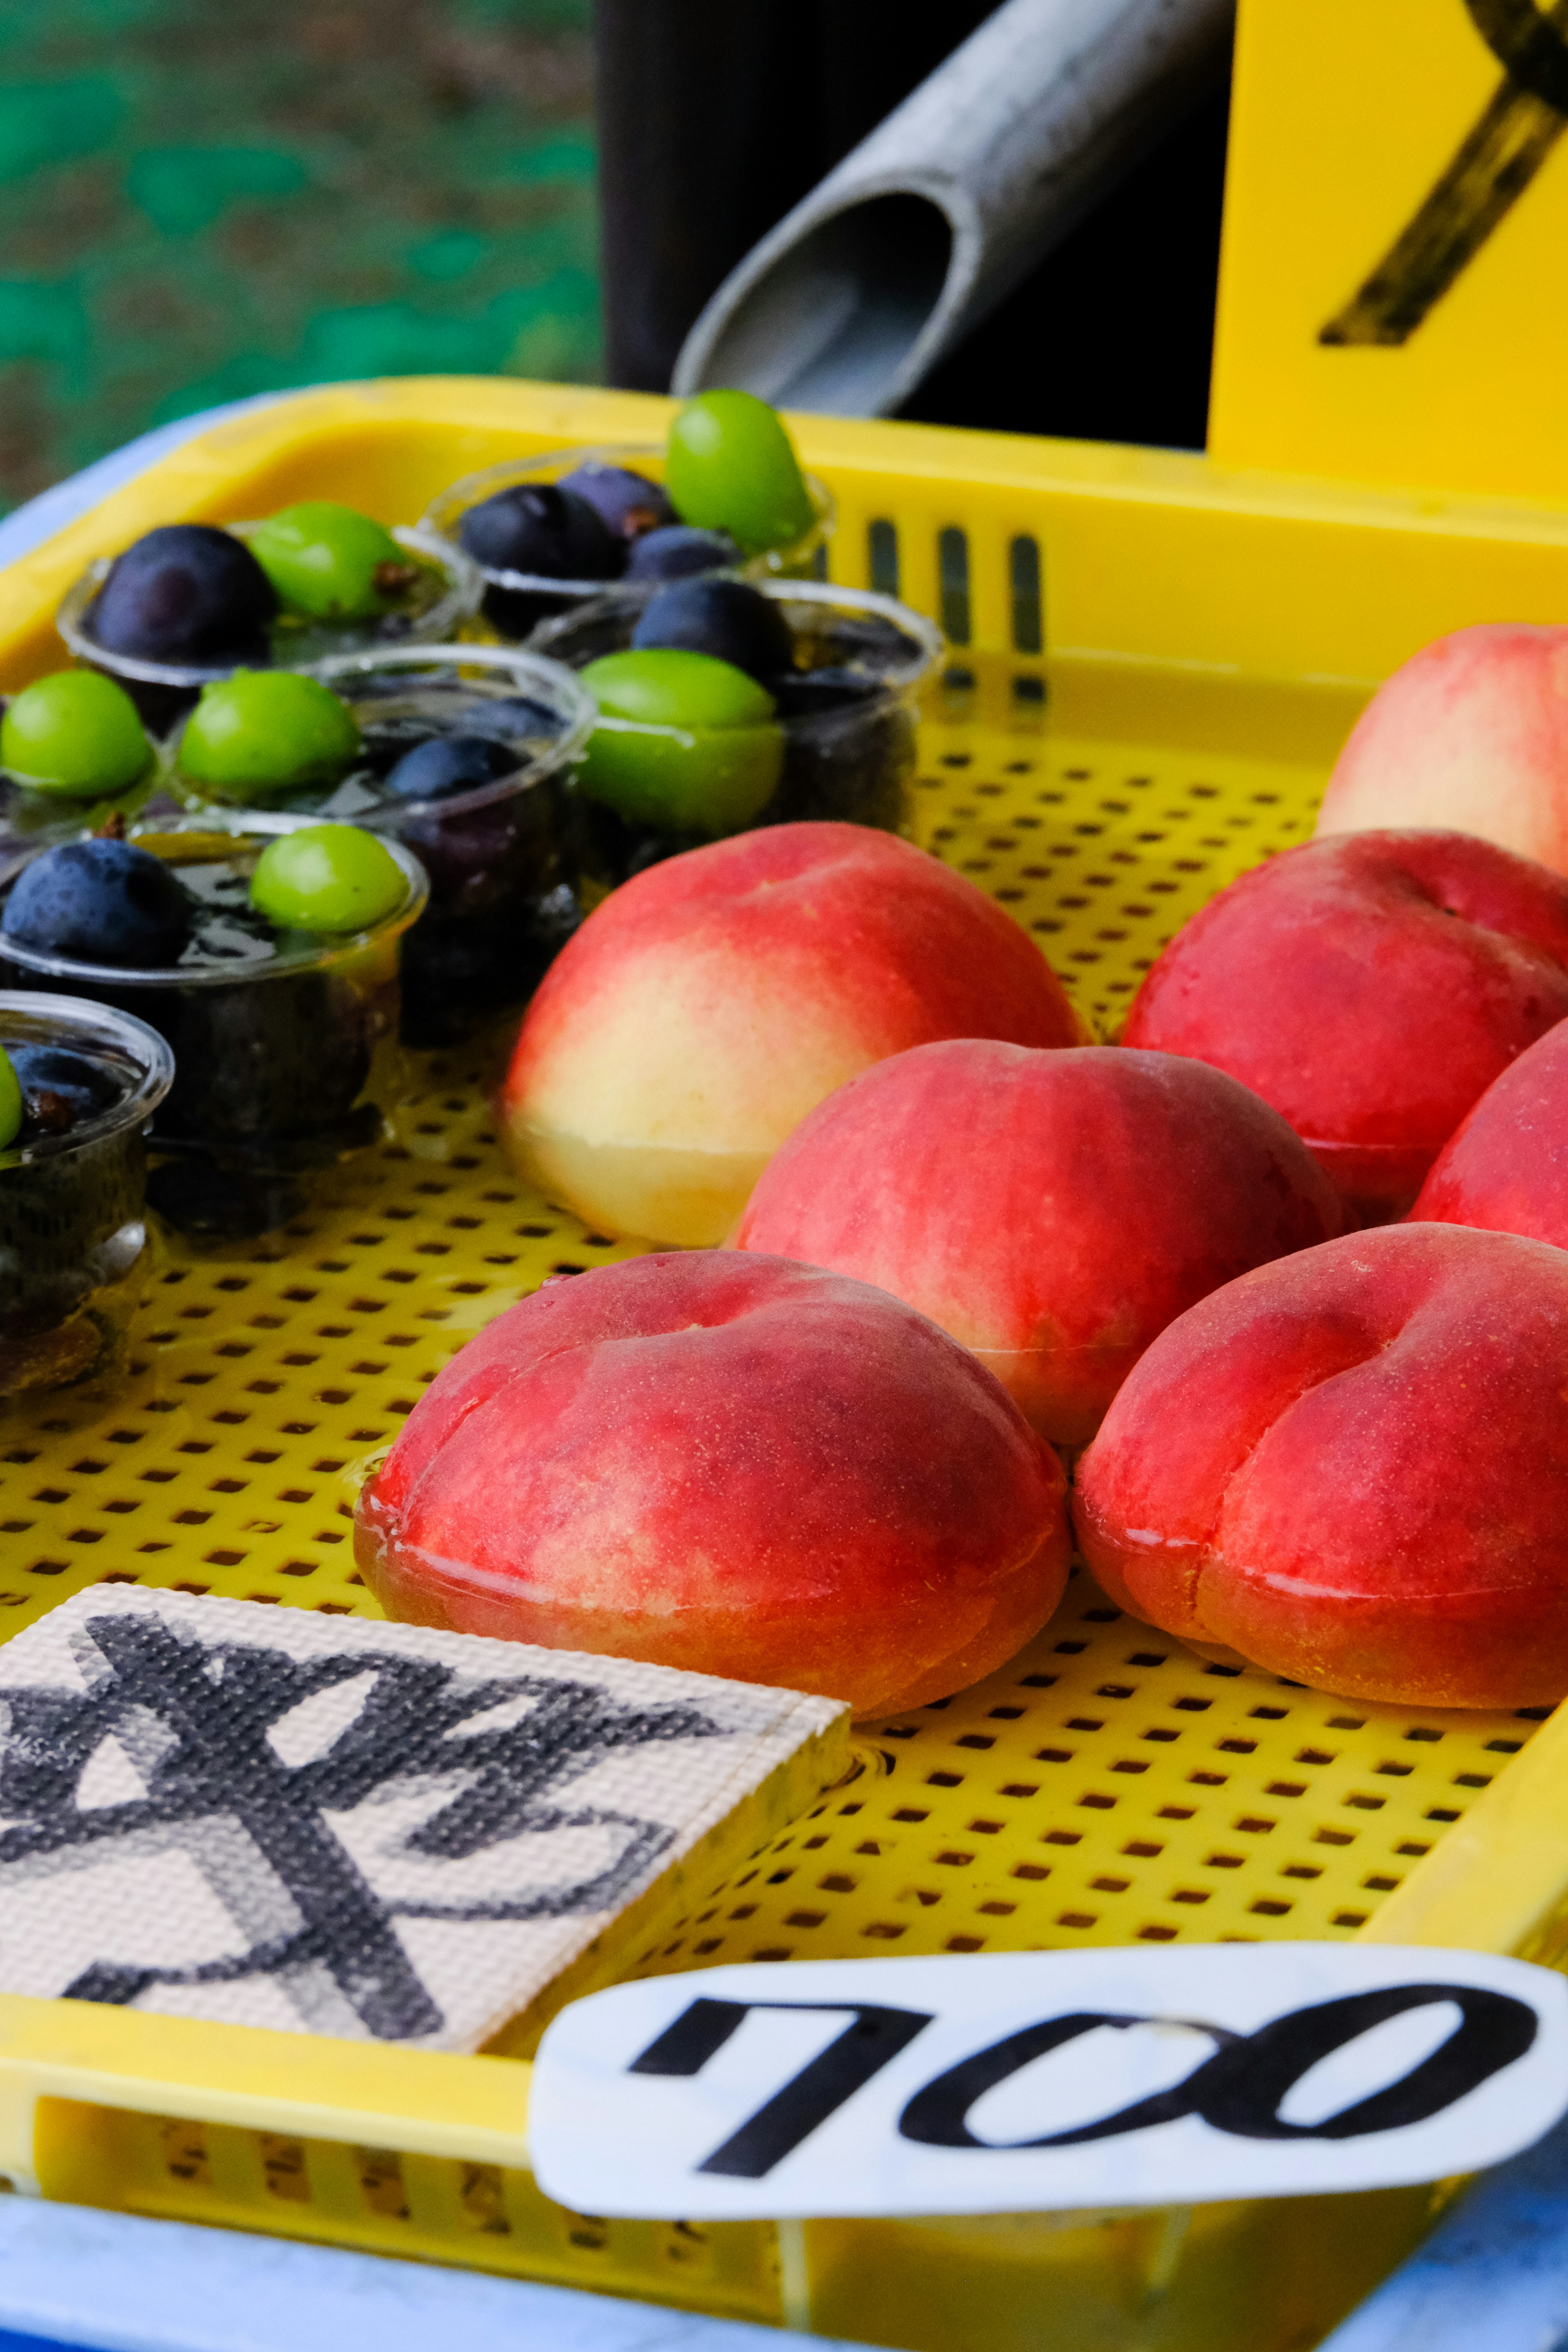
[[1371, 987], [1054, 1212], [731, 1464], [1471, 734], [1507, 1166], [1352, 1468], [710, 1002]]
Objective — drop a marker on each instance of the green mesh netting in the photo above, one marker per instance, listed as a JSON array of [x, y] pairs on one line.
[[201, 199]]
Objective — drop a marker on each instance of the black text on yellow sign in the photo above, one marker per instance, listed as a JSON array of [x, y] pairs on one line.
[[1392, 291]]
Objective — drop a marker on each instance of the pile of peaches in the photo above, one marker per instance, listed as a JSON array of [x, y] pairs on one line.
[[1281, 1280]]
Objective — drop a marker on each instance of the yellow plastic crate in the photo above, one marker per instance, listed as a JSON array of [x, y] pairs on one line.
[[1154, 663]]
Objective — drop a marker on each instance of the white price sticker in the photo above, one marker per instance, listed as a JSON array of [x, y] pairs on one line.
[[1043, 2081]]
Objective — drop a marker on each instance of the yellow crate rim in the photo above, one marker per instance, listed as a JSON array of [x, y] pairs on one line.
[[1108, 1786]]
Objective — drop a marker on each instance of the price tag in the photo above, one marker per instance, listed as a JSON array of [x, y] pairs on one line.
[[1009, 2081]]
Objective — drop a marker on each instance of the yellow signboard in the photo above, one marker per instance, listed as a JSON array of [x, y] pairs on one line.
[[1394, 287]]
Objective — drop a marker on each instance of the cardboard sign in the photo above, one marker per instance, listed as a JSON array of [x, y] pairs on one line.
[[1397, 215], [1010, 2082]]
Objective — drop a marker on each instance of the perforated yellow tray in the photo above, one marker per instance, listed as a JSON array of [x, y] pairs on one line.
[[1108, 1787]]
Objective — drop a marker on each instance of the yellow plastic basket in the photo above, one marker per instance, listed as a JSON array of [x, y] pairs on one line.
[[1154, 661]]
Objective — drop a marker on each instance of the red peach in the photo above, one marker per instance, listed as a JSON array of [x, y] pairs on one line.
[[1352, 1468], [1053, 1212], [730, 1464], [709, 1003], [1471, 733], [1371, 988], [1507, 1166]]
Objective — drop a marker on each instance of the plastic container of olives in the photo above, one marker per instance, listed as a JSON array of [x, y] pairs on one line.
[[284, 1042], [500, 857], [515, 603], [85, 761], [75, 1251], [433, 610], [847, 715]]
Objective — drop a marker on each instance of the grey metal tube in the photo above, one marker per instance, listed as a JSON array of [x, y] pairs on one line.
[[908, 242]]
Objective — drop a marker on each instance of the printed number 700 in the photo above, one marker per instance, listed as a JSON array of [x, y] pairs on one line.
[[1239, 2088]]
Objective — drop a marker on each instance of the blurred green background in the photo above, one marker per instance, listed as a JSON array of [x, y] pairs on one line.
[[201, 199]]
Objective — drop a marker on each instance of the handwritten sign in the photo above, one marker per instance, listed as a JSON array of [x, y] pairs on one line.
[[271, 1817], [1396, 211], [1007, 2081]]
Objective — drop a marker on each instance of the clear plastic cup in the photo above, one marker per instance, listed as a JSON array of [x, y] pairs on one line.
[[515, 603], [446, 596], [74, 1246], [31, 820], [846, 712], [285, 1060], [500, 857]]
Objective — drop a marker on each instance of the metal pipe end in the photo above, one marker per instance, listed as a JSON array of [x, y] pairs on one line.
[[840, 310]]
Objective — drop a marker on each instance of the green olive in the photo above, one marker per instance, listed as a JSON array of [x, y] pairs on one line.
[[330, 561], [10, 1102], [263, 733], [327, 878], [686, 743], [730, 465], [75, 733]]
